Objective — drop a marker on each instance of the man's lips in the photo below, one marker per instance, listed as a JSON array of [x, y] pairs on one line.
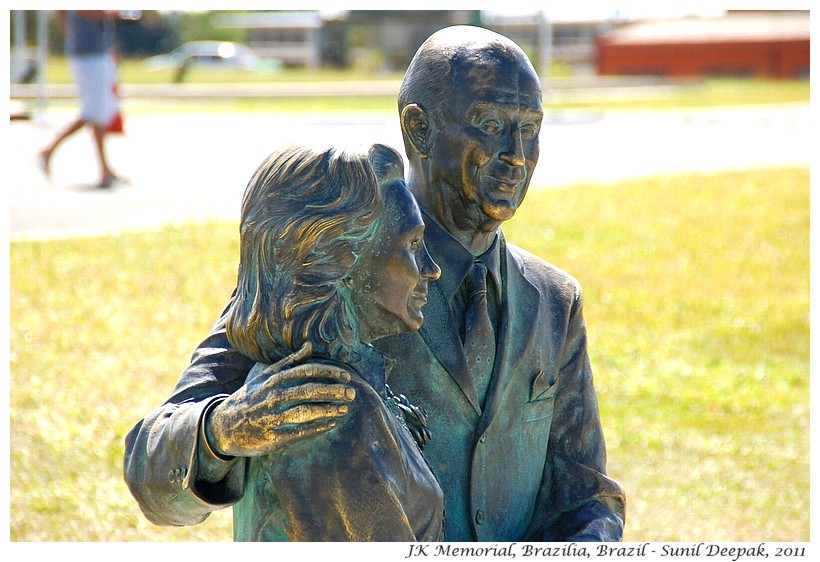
[[506, 184]]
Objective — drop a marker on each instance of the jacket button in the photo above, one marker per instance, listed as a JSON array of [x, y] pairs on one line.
[[483, 438], [479, 516]]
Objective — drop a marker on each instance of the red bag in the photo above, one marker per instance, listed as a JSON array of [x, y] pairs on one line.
[[116, 125]]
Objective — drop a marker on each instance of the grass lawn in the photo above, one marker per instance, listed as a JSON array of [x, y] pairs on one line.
[[697, 305]]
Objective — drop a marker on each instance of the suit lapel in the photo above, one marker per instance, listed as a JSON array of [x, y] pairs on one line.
[[519, 315], [440, 332]]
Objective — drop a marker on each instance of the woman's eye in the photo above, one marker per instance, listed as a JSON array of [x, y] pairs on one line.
[[415, 244]]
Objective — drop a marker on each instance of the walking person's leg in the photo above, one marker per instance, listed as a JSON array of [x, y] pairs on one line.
[[44, 155], [108, 177]]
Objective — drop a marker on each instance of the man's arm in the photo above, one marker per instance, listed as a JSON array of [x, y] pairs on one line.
[[163, 467], [178, 460], [577, 500], [165, 452]]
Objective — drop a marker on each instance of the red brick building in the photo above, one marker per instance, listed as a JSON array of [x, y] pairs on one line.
[[771, 44]]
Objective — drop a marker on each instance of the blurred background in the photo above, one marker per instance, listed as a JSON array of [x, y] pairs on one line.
[[673, 182], [209, 76], [580, 41]]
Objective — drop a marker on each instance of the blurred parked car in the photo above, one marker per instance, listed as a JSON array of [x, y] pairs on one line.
[[216, 55]]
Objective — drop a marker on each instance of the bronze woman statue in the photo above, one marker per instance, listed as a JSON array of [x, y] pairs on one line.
[[332, 257]]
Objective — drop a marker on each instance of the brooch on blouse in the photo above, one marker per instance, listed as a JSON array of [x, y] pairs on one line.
[[413, 417]]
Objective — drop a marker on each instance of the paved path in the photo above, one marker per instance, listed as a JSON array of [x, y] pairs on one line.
[[195, 166]]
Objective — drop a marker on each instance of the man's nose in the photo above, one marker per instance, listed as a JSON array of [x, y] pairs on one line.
[[513, 153]]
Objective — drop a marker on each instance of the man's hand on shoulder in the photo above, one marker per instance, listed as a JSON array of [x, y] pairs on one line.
[[279, 407]]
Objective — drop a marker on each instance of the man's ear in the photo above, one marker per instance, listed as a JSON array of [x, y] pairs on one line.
[[415, 126]]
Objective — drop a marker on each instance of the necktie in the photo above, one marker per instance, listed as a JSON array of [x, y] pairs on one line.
[[479, 336]]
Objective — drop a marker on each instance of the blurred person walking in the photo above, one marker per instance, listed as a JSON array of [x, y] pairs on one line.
[[89, 46]]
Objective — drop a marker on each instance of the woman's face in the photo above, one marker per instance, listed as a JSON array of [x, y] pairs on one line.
[[389, 283]]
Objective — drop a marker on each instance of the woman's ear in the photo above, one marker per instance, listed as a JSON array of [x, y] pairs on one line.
[[415, 126]]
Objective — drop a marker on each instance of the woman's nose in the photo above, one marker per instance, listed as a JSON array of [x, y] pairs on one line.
[[428, 268]]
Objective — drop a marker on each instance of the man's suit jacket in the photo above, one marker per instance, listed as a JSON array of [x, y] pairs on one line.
[[531, 464]]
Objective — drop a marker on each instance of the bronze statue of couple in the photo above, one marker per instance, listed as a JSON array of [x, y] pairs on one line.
[[387, 356]]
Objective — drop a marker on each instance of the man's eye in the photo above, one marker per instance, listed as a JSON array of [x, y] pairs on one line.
[[415, 244], [491, 126], [529, 130]]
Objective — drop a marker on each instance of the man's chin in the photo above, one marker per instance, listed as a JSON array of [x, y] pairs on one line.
[[500, 210]]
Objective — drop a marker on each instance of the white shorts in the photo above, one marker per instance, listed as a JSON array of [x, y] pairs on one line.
[[96, 79]]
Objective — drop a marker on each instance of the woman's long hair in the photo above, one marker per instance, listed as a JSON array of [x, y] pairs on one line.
[[307, 215]]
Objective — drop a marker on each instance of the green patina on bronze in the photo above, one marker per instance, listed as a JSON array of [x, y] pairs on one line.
[[300, 449]]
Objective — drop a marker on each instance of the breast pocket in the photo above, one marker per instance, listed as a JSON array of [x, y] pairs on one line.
[[542, 399], [538, 410]]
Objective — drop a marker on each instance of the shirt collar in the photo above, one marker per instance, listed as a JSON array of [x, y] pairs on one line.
[[371, 365], [455, 260]]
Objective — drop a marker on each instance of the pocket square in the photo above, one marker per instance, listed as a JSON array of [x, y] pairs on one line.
[[539, 386]]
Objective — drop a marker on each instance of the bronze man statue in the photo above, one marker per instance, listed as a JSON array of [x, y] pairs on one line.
[[517, 442], [500, 363]]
